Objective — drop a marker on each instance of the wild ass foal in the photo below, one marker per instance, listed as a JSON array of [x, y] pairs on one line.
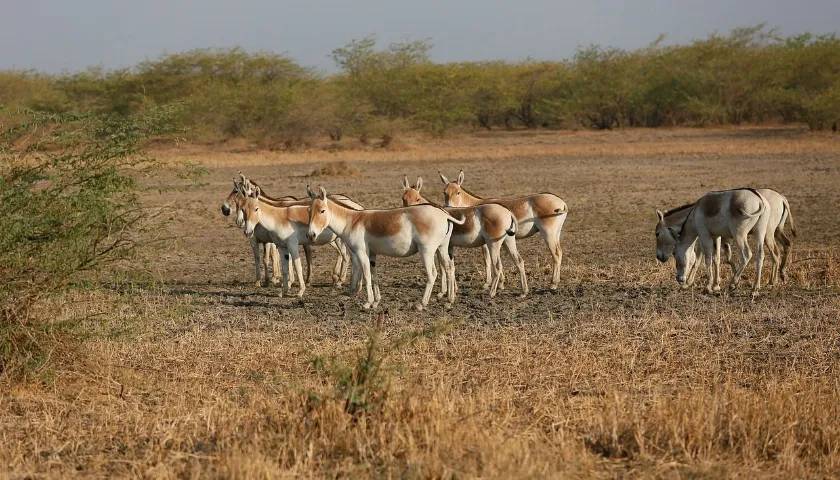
[[729, 214], [397, 232], [669, 223], [541, 212], [488, 225]]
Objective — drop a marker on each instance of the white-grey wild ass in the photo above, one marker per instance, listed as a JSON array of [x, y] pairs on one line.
[[669, 223], [729, 214]]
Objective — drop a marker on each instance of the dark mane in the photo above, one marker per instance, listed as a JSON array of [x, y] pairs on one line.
[[678, 209], [471, 193]]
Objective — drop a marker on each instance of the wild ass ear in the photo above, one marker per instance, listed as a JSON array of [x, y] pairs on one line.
[[323, 193], [443, 179], [406, 186], [309, 192], [660, 215], [419, 184], [255, 192], [460, 177]]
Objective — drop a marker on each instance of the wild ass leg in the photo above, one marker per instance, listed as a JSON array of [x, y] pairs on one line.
[[708, 247], [746, 254], [275, 263], [339, 263], [356, 275], [257, 248], [551, 235], [294, 251], [510, 244], [695, 267], [376, 296], [307, 250], [761, 240], [786, 244], [488, 267], [495, 255], [363, 262], [775, 258], [439, 264], [284, 265]]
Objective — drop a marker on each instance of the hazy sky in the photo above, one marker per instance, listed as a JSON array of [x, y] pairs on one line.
[[69, 35]]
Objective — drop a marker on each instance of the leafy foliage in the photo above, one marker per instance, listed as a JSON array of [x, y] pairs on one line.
[[68, 185], [751, 75]]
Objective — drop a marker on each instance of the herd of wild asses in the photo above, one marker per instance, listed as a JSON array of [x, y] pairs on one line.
[[277, 226]]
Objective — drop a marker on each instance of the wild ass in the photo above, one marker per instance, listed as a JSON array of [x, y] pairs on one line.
[[488, 226], [244, 187], [397, 232], [265, 252], [729, 214], [668, 225], [287, 227], [541, 212]]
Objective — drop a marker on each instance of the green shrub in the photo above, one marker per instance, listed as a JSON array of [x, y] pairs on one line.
[[69, 191]]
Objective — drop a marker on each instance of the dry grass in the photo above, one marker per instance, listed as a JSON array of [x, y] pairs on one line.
[[617, 374]]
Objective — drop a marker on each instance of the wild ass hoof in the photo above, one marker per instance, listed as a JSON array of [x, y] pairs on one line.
[[258, 284], [419, 307], [367, 306]]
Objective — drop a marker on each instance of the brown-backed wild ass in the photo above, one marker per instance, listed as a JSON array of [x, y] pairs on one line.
[[488, 225], [669, 223], [397, 232], [729, 214], [542, 212]]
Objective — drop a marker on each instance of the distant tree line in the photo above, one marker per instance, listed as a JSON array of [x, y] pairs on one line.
[[750, 75]]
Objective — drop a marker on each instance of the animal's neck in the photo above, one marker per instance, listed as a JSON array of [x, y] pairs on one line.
[[341, 218], [470, 199], [273, 217]]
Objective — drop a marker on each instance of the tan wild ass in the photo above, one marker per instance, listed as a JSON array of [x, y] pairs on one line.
[[397, 232], [288, 227], [488, 226], [729, 214], [244, 187], [541, 212], [668, 224]]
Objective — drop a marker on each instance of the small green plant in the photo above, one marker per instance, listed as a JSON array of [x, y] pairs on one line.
[[362, 383]]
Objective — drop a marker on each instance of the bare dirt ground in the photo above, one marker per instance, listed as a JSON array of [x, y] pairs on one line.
[[618, 373]]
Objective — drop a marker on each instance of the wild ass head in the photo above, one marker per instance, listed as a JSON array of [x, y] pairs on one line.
[[250, 212], [666, 237], [319, 214], [411, 195], [453, 192]]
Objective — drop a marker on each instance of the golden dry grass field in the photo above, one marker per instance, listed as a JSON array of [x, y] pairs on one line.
[[617, 374]]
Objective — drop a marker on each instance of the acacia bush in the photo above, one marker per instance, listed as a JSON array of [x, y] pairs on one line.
[[68, 186], [750, 75]]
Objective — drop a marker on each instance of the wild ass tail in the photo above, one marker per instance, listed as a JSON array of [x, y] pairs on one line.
[[790, 217], [511, 231], [455, 220]]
